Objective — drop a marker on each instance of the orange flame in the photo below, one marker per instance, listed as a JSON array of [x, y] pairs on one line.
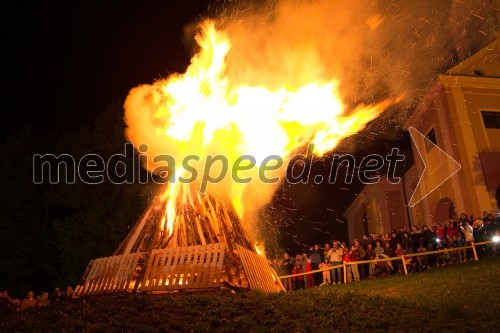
[[203, 112]]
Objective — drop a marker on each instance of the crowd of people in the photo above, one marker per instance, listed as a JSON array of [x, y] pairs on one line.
[[455, 234], [44, 299]]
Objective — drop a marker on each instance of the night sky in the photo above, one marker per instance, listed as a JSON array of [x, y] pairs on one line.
[[63, 65], [66, 63]]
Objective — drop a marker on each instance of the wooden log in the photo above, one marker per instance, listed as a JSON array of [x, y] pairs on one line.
[[200, 231], [474, 251], [404, 265]]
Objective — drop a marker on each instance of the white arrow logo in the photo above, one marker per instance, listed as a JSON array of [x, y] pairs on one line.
[[438, 167]]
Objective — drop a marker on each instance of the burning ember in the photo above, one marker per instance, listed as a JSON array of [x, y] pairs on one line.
[[206, 112]]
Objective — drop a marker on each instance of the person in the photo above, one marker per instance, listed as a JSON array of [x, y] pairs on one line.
[[273, 264], [326, 274], [399, 253], [298, 281], [5, 302], [327, 251], [29, 301], [354, 257], [428, 238], [315, 256], [381, 268], [440, 236], [468, 232], [361, 256], [348, 270], [442, 259], [416, 236], [464, 218], [370, 253], [308, 280], [67, 295], [458, 255], [379, 250], [55, 299], [407, 243], [422, 262], [287, 270], [44, 301], [335, 260], [388, 251], [452, 231], [394, 240]]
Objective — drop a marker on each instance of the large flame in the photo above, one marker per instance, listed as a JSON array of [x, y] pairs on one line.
[[204, 112]]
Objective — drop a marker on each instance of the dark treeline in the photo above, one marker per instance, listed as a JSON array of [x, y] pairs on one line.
[[49, 233]]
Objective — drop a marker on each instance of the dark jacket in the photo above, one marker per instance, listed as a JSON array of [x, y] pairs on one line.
[[316, 257]]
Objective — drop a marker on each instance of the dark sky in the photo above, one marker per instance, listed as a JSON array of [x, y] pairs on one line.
[[64, 63]]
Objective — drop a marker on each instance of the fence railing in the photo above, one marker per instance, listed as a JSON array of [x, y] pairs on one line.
[[402, 258]]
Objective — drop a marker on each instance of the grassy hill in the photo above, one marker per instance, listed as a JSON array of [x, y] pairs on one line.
[[462, 298]]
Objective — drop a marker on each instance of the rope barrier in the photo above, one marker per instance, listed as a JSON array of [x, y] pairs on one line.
[[403, 258]]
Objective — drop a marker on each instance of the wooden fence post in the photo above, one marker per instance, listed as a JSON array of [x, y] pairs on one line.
[[404, 265], [345, 273], [474, 251]]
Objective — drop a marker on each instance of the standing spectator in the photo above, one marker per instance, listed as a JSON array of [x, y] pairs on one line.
[[400, 253], [287, 270], [327, 251], [67, 295], [29, 301], [274, 265], [361, 256], [298, 281], [44, 301], [379, 250], [370, 254], [464, 218], [308, 280], [469, 237], [428, 238], [394, 240], [348, 268], [416, 236], [5, 302], [407, 243], [326, 274], [422, 262], [354, 257], [55, 297], [439, 233], [335, 260], [315, 261], [381, 268], [452, 231], [389, 253], [401, 233]]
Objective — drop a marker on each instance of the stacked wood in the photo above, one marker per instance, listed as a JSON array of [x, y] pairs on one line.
[[207, 247], [109, 275], [190, 267], [202, 219]]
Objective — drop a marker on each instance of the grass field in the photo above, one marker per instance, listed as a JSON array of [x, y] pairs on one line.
[[462, 298]]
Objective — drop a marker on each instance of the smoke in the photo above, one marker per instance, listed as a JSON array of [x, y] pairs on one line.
[[375, 50]]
